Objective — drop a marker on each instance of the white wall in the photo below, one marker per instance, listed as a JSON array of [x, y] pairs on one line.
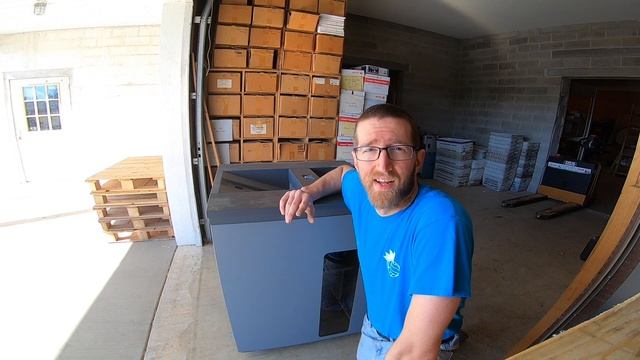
[[114, 84]]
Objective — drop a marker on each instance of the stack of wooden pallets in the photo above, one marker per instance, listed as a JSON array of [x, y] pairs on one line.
[[131, 199]]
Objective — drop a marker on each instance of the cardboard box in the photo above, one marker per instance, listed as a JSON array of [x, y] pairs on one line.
[[322, 128], [223, 105], [224, 82], [296, 61], [332, 7], [292, 151], [229, 58], [326, 64], [292, 127], [234, 2], [323, 107], [225, 129], [346, 128], [298, 41], [302, 21], [294, 105], [294, 84], [325, 86], [261, 58], [329, 44], [257, 128], [234, 14], [304, 5], [321, 150], [268, 17], [257, 105], [269, 38], [343, 151], [232, 35], [260, 82], [351, 102], [376, 84], [373, 70], [227, 152], [253, 151], [352, 80], [276, 3], [371, 99]]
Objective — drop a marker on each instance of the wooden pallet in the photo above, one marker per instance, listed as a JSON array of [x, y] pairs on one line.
[[152, 224], [131, 199], [141, 235]]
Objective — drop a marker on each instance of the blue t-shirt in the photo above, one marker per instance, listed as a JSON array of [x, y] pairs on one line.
[[423, 249]]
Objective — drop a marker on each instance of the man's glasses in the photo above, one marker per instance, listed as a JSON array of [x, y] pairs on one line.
[[395, 152]]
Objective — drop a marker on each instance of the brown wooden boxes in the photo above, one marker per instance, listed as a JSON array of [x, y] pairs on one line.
[[131, 200], [224, 82], [232, 35], [230, 58], [258, 82], [234, 14], [268, 17], [294, 84]]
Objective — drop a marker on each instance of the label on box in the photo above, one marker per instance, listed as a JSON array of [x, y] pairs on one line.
[[224, 83], [334, 82], [319, 80], [346, 129], [260, 129], [351, 102], [376, 84]]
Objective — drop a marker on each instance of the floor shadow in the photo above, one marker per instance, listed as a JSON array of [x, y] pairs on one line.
[[118, 323]]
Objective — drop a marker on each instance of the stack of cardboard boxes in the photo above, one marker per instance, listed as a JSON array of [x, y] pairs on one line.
[[502, 160], [361, 87], [274, 86], [526, 166]]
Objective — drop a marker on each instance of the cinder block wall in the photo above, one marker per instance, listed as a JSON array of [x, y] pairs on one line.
[[114, 85], [429, 63], [511, 82]]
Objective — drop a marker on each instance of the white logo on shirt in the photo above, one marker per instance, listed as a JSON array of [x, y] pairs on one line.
[[392, 266]]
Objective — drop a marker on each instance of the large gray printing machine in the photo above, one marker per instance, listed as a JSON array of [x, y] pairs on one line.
[[283, 284]]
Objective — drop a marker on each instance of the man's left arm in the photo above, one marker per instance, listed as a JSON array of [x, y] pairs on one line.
[[426, 321]]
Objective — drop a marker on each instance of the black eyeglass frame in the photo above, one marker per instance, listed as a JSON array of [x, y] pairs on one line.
[[415, 148]]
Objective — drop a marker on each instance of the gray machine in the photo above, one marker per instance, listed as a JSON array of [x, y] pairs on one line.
[[283, 284]]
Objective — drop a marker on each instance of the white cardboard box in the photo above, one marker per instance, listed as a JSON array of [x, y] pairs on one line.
[[346, 128], [343, 151], [223, 129], [351, 102], [373, 99], [376, 84], [352, 80], [374, 70]]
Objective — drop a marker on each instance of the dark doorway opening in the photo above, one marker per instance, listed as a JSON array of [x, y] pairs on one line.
[[601, 125]]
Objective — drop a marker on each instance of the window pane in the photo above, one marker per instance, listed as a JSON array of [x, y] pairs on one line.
[[44, 122], [53, 106], [30, 108], [42, 108], [52, 91], [31, 123], [27, 93], [55, 123], [40, 92]]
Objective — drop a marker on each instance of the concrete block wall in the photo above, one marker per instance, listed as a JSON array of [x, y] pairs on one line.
[[428, 61], [511, 82], [114, 89]]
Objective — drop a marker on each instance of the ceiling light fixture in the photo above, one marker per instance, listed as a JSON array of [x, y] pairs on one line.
[[39, 7]]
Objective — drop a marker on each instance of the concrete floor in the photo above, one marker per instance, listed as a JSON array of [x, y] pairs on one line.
[[521, 266]]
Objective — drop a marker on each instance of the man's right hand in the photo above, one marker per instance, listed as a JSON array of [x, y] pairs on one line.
[[296, 203]]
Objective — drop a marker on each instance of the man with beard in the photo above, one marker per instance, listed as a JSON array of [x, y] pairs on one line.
[[414, 242]]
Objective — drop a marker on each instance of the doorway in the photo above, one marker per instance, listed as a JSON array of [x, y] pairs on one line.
[[40, 109], [601, 125]]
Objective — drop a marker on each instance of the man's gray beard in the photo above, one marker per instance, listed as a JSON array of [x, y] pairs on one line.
[[388, 199]]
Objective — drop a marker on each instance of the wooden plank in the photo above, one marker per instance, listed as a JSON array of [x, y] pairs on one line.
[[132, 168], [138, 235], [562, 195], [620, 228], [614, 334], [128, 224]]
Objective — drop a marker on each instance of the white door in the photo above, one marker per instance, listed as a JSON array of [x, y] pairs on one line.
[[41, 111]]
